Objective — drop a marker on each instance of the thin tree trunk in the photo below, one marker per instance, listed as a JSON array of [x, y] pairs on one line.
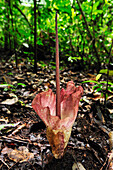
[[35, 39], [11, 13], [6, 35], [90, 35]]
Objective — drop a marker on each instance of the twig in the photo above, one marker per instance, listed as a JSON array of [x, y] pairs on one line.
[[7, 139], [103, 128], [4, 163], [87, 27], [96, 154], [23, 15], [13, 165], [18, 162], [17, 130]]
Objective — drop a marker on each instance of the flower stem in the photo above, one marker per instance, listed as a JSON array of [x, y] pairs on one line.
[[57, 73]]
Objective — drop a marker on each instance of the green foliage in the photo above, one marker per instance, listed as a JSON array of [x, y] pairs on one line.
[[6, 125], [10, 73], [77, 36], [71, 59], [42, 64], [105, 71], [10, 87], [50, 65], [21, 84], [6, 85], [100, 86]]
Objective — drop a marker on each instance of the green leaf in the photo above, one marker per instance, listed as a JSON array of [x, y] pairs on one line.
[[98, 76], [97, 12], [70, 58], [7, 125], [11, 4], [105, 82], [96, 5], [66, 9], [105, 72], [97, 86], [1, 127], [110, 89], [106, 96], [90, 81], [10, 73], [98, 89], [6, 85], [21, 84]]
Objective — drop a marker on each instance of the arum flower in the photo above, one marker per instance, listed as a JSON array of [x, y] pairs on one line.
[[59, 111], [58, 127]]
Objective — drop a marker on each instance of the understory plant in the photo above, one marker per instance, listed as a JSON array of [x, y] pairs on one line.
[[59, 111], [100, 86]]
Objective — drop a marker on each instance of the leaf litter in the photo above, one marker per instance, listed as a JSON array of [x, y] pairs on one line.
[[88, 146]]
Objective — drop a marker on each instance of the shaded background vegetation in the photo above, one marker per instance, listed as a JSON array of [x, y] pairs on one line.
[[85, 30]]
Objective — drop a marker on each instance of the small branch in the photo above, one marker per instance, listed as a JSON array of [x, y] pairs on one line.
[[17, 130], [23, 15], [10, 139], [87, 26], [4, 163], [57, 73]]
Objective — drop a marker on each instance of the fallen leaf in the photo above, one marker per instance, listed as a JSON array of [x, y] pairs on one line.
[[10, 101], [111, 139], [78, 166], [6, 150], [21, 155]]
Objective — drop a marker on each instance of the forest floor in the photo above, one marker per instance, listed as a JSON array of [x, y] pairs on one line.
[[23, 142]]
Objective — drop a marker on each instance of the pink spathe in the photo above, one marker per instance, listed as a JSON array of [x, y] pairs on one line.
[[45, 106]]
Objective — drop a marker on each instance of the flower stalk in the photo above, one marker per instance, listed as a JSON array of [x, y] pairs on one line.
[[58, 110]]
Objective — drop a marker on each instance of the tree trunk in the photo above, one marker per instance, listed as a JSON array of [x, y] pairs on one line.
[[35, 39], [6, 35]]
